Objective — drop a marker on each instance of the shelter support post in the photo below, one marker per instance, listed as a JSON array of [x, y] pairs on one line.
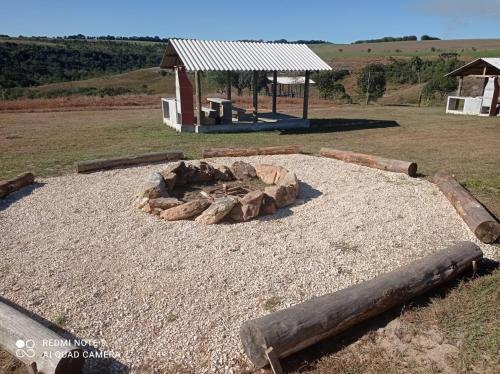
[[306, 94], [198, 96], [275, 84], [255, 98], [228, 89], [460, 84]]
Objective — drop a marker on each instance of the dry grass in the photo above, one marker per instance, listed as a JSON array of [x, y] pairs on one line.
[[72, 103], [456, 331], [467, 47]]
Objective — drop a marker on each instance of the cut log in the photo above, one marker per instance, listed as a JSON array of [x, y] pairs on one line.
[[479, 220], [30, 342], [235, 152], [108, 163], [293, 329], [371, 161], [14, 184]]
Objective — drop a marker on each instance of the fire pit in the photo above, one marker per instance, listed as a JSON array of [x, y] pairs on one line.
[[210, 194]]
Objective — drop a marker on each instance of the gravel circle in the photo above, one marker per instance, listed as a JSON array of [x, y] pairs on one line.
[[172, 295]]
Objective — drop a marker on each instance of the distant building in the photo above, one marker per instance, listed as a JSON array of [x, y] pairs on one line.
[[485, 103]]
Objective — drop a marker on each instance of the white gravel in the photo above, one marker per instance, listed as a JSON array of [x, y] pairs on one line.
[[168, 295]]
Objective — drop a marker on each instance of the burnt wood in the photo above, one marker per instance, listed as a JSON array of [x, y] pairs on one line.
[[109, 163], [376, 162], [479, 220], [295, 328], [235, 152]]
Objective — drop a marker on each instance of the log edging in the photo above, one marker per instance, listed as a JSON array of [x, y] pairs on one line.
[[376, 162], [480, 221], [114, 162], [293, 329], [16, 183], [253, 151]]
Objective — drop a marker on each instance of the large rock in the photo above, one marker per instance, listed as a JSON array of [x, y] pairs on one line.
[[180, 170], [164, 203], [247, 207], [242, 170], [186, 210], [200, 172], [268, 205], [289, 180], [170, 180], [154, 187], [282, 195], [269, 174], [217, 211], [223, 173]]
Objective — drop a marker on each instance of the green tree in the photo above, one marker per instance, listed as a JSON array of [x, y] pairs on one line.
[[329, 86], [371, 81], [439, 85]]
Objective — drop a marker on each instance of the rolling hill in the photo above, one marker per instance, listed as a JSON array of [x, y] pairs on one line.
[[140, 75]]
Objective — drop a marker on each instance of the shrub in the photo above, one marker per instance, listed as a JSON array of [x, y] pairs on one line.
[[328, 85], [371, 81]]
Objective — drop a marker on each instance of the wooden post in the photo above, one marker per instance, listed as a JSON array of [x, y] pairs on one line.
[[14, 184], [485, 78], [228, 89], [368, 89], [479, 220], [255, 98], [460, 83], [371, 161], [237, 152], [293, 329], [275, 84], [306, 95], [198, 96]]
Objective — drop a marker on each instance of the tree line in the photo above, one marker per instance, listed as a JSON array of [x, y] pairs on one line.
[[23, 65], [387, 39]]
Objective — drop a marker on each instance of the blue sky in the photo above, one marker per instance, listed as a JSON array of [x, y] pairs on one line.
[[340, 22]]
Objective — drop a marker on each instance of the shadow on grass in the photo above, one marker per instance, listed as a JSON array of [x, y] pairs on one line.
[[93, 365], [307, 359], [18, 195], [326, 125]]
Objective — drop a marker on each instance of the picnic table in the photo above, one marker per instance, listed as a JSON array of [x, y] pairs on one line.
[[223, 109]]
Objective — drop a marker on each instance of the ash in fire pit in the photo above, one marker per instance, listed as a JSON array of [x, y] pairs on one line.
[[211, 194]]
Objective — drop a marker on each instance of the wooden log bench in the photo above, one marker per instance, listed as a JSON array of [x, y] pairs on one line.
[[29, 341], [236, 152], [14, 184], [376, 162], [280, 334], [109, 163], [480, 221]]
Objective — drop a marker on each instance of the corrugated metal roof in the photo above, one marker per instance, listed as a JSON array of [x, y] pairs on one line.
[[479, 62], [291, 80], [213, 55], [495, 61]]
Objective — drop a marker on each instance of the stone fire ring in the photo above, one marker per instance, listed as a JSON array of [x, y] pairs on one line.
[[217, 201]]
